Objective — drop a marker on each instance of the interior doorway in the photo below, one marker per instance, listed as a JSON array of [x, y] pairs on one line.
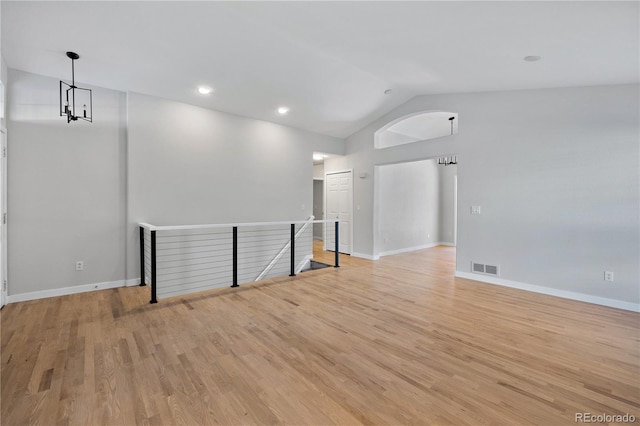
[[415, 206]]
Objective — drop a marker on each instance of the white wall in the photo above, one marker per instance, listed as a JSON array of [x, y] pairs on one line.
[[66, 188], [318, 171], [556, 172], [447, 179], [190, 165], [408, 200], [3, 91], [3, 78]]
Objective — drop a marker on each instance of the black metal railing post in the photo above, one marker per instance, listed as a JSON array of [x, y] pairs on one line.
[[235, 257], [337, 254], [154, 273], [142, 277], [293, 250]]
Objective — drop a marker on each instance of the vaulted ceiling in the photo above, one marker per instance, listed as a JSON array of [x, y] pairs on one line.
[[329, 62]]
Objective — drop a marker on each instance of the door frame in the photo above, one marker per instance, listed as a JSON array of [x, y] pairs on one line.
[[326, 186]]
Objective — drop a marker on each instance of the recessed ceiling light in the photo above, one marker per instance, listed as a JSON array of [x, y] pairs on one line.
[[386, 92], [318, 157], [204, 90], [532, 58], [283, 110]]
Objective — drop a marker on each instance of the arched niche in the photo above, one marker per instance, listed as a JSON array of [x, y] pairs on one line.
[[418, 126]]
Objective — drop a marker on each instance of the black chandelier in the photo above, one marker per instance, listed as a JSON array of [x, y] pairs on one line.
[[70, 94], [448, 160]]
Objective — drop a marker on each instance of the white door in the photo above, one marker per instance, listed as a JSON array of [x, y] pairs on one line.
[[339, 206], [3, 217]]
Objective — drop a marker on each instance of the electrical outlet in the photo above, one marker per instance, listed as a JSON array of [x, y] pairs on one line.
[[79, 265], [608, 276], [476, 210]]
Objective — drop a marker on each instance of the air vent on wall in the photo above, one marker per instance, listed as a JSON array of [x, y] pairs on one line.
[[481, 268]]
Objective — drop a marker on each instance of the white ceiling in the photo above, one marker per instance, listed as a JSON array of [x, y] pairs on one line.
[[329, 62]]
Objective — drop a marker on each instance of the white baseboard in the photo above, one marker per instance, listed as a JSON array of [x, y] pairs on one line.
[[23, 297], [404, 250], [132, 282], [422, 247], [613, 303], [364, 256], [408, 249], [304, 264]]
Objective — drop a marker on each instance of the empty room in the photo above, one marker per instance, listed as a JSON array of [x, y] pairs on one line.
[[314, 213]]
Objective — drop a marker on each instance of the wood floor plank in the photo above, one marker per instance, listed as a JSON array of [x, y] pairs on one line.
[[396, 341]]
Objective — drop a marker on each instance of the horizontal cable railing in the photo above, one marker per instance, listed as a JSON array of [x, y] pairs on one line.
[[185, 259]]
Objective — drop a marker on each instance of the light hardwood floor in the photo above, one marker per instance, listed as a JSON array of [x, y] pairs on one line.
[[397, 341]]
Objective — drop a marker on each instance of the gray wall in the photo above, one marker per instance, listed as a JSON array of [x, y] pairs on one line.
[[66, 188], [447, 176], [77, 190], [318, 169], [4, 78], [190, 165], [408, 206], [414, 206], [318, 207], [555, 171]]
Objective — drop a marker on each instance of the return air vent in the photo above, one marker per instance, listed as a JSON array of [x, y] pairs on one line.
[[491, 269], [481, 268]]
